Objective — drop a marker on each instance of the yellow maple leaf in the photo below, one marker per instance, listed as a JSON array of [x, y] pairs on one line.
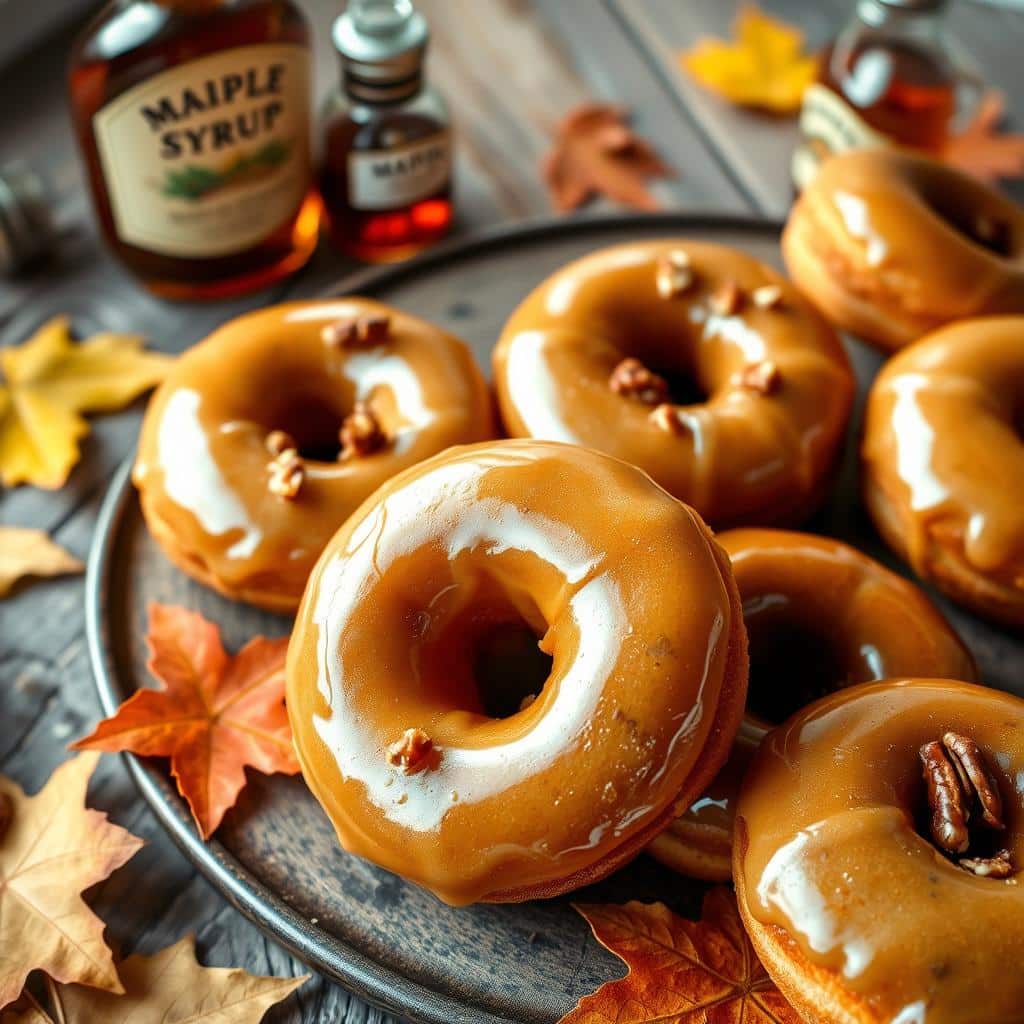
[[764, 66], [49, 381], [28, 552]]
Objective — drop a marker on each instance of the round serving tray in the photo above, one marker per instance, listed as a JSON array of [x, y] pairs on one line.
[[275, 857]]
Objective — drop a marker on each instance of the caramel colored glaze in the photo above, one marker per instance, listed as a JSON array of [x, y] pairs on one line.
[[944, 461], [203, 466], [625, 589], [886, 244], [741, 454], [813, 599], [843, 891]]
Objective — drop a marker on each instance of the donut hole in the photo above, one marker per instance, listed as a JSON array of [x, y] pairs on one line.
[[683, 386], [312, 420], [792, 663], [509, 667], [990, 231]]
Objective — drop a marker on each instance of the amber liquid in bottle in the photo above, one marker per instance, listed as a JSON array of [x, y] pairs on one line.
[[131, 42], [380, 235], [915, 100]]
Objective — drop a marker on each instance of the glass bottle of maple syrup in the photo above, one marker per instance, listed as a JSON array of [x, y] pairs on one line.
[[385, 174], [193, 119], [888, 78]]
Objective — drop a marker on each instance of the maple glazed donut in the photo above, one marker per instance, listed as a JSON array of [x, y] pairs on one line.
[[425, 761], [943, 461], [264, 437], [820, 616], [880, 837], [891, 244], [694, 362]]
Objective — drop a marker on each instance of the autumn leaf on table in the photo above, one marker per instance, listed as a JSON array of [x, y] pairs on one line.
[[764, 66], [214, 715], [52, 849], [982, 150], [49, 381], [27, 552], [596, 153], [169, 987], [680, 972]]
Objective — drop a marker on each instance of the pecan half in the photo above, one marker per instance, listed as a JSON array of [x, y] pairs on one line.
[[287, 474], [632, 379], [726, 299], [763, 377], [975, 777], [999, 866], [360, 433], [279, 441], [412, 752], [946, 799]]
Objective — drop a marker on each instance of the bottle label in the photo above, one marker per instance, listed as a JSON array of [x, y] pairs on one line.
[[208, 158], [828, 124], [387, 179]]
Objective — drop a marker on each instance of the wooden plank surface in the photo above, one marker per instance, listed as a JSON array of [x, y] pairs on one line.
[[510, 70]]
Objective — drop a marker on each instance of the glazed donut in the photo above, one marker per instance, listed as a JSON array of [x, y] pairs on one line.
[[694, 362], [820, 616], [891, 244], [423, 764], [943, 462], [866, 895], [239, 471]]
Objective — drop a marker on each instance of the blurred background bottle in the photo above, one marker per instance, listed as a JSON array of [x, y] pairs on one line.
[[889, 77], [193, 119], [387, 151]]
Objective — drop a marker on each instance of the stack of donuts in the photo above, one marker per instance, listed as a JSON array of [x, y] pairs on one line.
[[540, 632]]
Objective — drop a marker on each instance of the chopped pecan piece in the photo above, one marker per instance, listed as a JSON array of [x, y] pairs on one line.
[[768, 296], [360, 433], [286, 474], [412, 752], [632, 379], [364, 330], [674, 275], [763, 377], [999, 866], [666, 417], [726, 299], [279, 441]]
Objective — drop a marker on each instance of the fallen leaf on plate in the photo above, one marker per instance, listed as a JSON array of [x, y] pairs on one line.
[[980, 149], [45, 385], [27, 552], [596, 153], [680, 972], [214, 715], [763, 66], [52, 849], [169, 987]]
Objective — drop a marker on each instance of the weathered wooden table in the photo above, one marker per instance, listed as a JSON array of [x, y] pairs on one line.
[[510, 68]]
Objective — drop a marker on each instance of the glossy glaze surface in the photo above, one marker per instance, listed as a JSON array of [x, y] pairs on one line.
[[203, 466], [943, 450], [820, 616], [888, 245], [831, 854], [624, 589], [739, 455]]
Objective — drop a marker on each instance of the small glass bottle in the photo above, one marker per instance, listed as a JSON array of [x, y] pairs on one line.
[[888, 78], [193, 119], [386, 168]]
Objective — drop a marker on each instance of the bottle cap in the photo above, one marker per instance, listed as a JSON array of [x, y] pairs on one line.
[[27, 230], [381, 43]]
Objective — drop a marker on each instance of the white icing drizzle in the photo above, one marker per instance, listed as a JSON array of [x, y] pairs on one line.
[[433, 509], [192, 478], [533, 391], [915, 440], [376, 369], [854, 211]]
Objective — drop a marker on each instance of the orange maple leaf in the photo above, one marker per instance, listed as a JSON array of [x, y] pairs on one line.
[[980, 149], [215, 714], [596, 153], [680, 972]]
